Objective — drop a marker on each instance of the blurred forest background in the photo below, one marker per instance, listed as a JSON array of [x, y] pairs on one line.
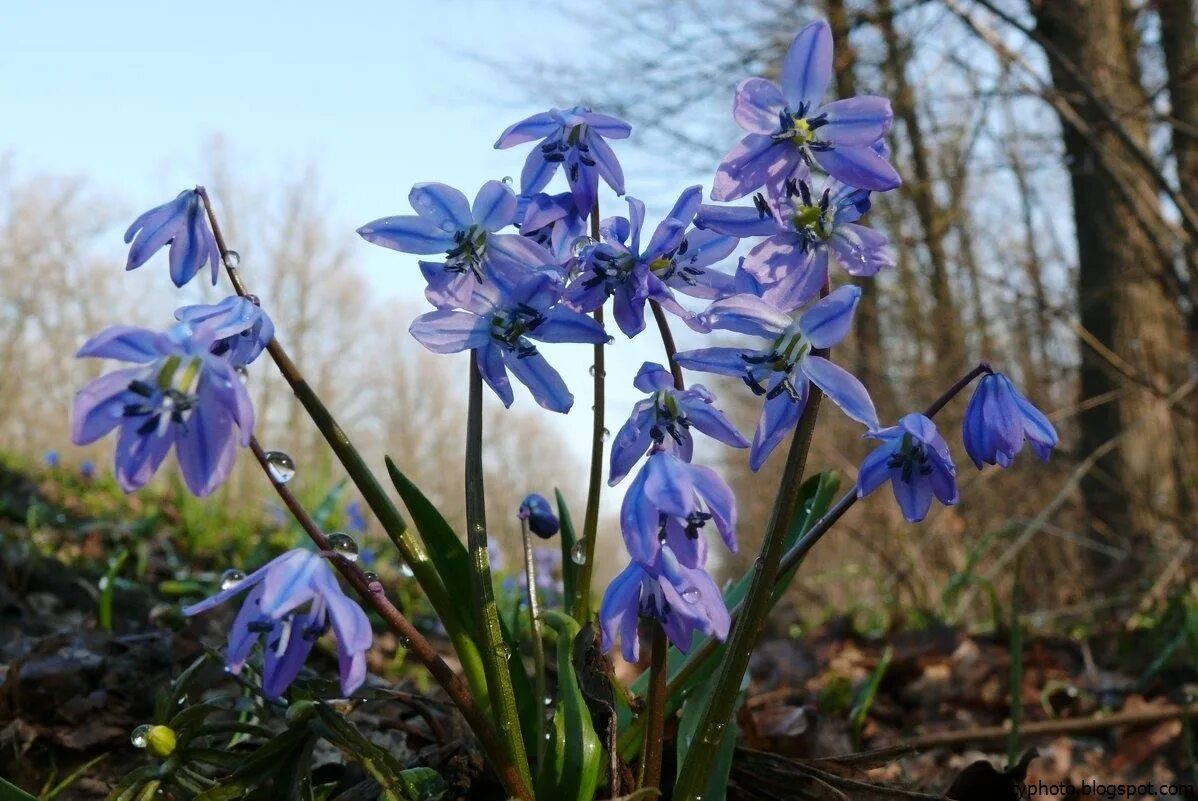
[[1048, 223]]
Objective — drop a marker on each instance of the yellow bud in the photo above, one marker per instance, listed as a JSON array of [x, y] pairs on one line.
[[160, 741]]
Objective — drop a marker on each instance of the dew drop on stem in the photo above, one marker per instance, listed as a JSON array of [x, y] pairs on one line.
[[578, 554], [232, 259], [344, 545], [281, 466]]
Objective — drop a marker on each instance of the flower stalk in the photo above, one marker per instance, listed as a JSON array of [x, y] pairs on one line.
[[534, 626]]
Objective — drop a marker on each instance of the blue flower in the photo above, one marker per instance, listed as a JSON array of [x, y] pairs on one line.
[[999, 420], [52, 460], [277, 591], [552, 221], [87, 469], [667, 413], [539, 514], [784, 370], [178, 394], [669, 502], [241, 330], [575, 138], [803, 231], [914, 458], [683, 599], [357, 520], [183, 224], [673, 259], [499, 323], [467, 236], [789, 127]]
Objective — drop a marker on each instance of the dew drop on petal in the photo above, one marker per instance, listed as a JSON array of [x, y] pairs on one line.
[[232, 259], [281, 466], [578, 554], [344, 545], [243, 375], [579, 245], [231, 578], [690, 595], [140, 736], [507, 181]]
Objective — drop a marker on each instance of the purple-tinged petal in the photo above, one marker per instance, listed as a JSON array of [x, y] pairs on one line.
[[653, 377], [628, 306], [606, 125], [861, 251], [667, 237], [100, 405], [252, 580], [442, 205], [757, 105], [206, 447], [722, 361], [1038, 429], [720, 500], [687, 205], [447, 331], [546, 384], [668, 484], [842, 388], [746, 314], [126, 343], [514, 255], [798, 287], [828, 321], [407, 233], [494, 206], [620, 610], [565, 325], [914, 497], [490, 364], [773, 259], [138, 456], [631, 441], [875, 470], [807, 68], [639, 521], [291, 584], [862, 167], [856, 121], [636, 222], [607, 163], [241, 636], [737, 221], [536, 173], [778, 419], [280, 669], [712, 422], [748, 166], [538, 126]]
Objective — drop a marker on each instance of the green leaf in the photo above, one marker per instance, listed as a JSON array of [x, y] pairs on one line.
[[424, 784], [10, 792], [573, 754], [108, 586], [569, 537], [692, 711], [865, 699]]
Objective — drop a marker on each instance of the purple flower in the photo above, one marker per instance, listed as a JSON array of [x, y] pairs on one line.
[[183, 225], [575, 138], [671, 413], [52, 460], [87, 469], [683, 599], [178, 393], [803, 230], [999, 420], [240, 328], [277, 591], [789, 127], [669, 502], [673, 259], [552, 221], [498, 324], [539, 514], [784, 370], [357, 520], [467, 235], [915, 459]]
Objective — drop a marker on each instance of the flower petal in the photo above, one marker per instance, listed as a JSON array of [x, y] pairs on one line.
[[538, 126], [828, 321], [545, 383], [758, 105], [747, 314], [807, 69], [448, 331], [442, 205], [842, 388], [856, 121], [494, 206], [862, 167], [407, 233]]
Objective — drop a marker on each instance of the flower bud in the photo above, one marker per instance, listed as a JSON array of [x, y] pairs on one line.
[[160, 741], [299, 712], [539, 514]]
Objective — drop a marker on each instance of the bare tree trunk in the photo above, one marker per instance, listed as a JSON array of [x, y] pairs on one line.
[[1134, 492]]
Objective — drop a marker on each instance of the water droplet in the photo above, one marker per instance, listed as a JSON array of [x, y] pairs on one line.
[[140, 736], [254, 299], [578, 554], [507, 181], [690, 595], [405, 570], [579, 245], [243, 375], [232, 259], [231, 578], [606, 435], [281, 466], [103, 583], [371, 576], [344, 545]]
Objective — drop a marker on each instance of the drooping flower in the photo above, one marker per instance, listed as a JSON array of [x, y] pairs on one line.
[[914, 458], [272, 608], [178, 394], [445, 222], [241, 330], [183, 224], [803, 231], [498, 323], [673, 259], [667, 413], [684, 600], [669, 502], [784, 370], [999, 420], [575, 138], [552, 221], [789, 127], [536, 510]]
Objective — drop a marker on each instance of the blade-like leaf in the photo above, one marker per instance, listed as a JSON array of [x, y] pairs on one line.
[[569, 538], [573, 755]]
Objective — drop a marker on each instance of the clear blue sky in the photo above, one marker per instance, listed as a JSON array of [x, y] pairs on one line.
[[379, 95]]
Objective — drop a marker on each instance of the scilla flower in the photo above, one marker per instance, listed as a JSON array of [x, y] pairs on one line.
[[789, 127], [684, 600], [539, 514], [999, 420], [914, 458], [784, 369], [446, 223], [552, 221], [499, 324], [183, 224], [273, 608], [575, 139], [179, 393], [665, 420], [240, 328]]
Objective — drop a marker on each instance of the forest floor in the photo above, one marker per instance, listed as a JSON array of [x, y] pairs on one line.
[[833, 714]]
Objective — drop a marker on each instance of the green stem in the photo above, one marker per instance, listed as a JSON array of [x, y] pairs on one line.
[[538, 645], [590, 523], [495, 650], [692, 777], [409, 545]]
